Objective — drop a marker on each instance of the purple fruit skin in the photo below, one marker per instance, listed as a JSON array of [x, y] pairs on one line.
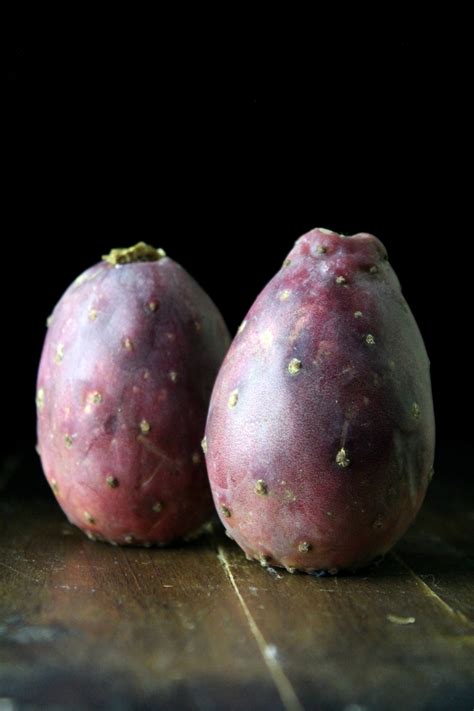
[[123, 388], [320, 433]]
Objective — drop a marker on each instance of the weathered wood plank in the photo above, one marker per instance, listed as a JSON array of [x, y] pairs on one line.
[[145, 626], [439, 549], [376, 640], [86, 625]]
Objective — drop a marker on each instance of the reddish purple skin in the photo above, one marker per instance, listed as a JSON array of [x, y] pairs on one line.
[[116, 479], [368, 396]]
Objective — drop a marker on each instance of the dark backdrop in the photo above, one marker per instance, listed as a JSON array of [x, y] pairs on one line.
[[225, 153]]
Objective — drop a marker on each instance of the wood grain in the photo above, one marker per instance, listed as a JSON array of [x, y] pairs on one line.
[[84, 625]]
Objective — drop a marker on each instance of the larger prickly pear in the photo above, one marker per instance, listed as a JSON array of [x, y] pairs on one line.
[[124, 383], [320, 434]]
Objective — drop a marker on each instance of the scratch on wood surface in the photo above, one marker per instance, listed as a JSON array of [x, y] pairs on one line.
[[460, 616], [19, 572], [134, 575], [268, 651], [397, 620]]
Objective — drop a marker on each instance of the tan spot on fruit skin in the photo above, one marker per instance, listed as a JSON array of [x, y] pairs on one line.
[[284, 295], [153, 306], [55, 486], [145, 427], [341, 279], [415, 411], [94, 398], [157, 507], [40, 399], [225, 511], [93, 313], [128, 344], [112, 482], [261, 488], [80, 279], [204, 445], [294, 366], [320, 249], [68, 441], [128, 538], [59, 355], [358, 314], [342, 459], [287, 262], [89, 518], [233, 398], [370, 340], [173, 376], [304, 547], [373, 269]]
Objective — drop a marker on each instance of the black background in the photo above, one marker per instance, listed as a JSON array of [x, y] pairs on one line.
[[223, 151]]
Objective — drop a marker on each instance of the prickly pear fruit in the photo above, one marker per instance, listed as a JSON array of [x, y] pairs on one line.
[[320, 433], [126, 373]]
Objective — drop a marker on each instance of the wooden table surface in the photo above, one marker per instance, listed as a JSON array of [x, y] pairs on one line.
[[85, 625]]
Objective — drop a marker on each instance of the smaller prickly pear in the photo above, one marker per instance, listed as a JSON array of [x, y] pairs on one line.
[[127, 368]]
